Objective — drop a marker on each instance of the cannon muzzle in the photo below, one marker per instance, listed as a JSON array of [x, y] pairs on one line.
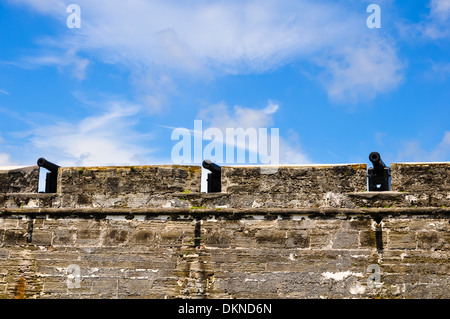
[[214, 168], [214, 178], [378, 164], [52, 177], [42, 162]]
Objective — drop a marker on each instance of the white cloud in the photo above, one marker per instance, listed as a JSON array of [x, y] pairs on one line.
[[5, 160], [291, 151], [412, 151], [153, 89], [434, 25], [106, 139], [437, 71], [218, 116], [442, 150], [4, 92], [363, 72], [208, 39], [440, 9], [68, 61]]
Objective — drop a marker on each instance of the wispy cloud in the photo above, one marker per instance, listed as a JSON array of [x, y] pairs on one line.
[[5, 160], [105, 139], [69, 60], [4, 92], [413, 151], [440, 10], [209, 39], [363, 72], [433, 26], [219, 116], [439, 70]]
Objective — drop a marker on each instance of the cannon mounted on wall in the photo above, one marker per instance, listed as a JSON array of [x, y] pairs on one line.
[[51, 180], [379, 176]]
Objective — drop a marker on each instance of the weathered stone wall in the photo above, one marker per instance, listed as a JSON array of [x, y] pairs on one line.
[[425, 184], [134, 186], [293, 186], [256, 255], [147, 232], [19, 180]]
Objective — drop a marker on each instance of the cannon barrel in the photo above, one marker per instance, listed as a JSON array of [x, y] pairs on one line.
[[379, 176], [42, 162], [51, 180], [214, 168], [378, 164], [214, 178]]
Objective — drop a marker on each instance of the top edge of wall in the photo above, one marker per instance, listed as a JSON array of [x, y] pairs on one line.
[[15, 168], [420, 163], [131, 166], [361, 165]]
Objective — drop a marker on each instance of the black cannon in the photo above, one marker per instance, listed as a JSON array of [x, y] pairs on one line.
[[379, 175], [214, 178], [51, 180]]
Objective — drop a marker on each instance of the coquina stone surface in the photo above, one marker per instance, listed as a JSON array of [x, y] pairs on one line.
[[19, 180], [295, 232]]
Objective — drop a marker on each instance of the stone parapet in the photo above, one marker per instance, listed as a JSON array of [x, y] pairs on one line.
[[125, 186], [19, 179], [293, 185]]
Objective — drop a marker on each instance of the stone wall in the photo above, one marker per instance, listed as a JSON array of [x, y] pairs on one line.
[[133, 186], [19, 180], [290, 232], [292, 186]]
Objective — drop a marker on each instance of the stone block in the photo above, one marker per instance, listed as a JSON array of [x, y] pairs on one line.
[[402, 240], [297, 239], [271, 237], [143, 236], [41, 238], [88, 236], [345, 239], [64, 237], [218, 238], [14, 237], [358, 224], [295, 224], [433, 240], [367, 239], [319, 239], [115, 237]]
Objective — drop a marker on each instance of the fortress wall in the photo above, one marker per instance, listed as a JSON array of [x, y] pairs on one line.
[[295, 232], [19, 179]]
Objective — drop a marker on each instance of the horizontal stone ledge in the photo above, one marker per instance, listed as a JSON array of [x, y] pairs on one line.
[[30, 195], [371, 195], [194, 195], [324, 211]]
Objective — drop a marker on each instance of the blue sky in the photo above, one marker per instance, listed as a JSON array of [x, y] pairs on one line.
[[112, 91]]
